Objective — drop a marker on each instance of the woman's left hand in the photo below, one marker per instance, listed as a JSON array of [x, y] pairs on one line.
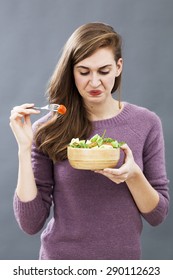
[[125, 172]]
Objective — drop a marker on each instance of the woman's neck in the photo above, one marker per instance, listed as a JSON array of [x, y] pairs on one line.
[[104, 111]]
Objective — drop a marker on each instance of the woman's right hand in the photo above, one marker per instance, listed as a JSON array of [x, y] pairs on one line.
[[21, 126]]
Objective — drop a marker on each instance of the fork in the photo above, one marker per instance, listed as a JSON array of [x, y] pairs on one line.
[[53, 108]]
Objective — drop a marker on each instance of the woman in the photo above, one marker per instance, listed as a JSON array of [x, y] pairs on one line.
[[96, 214]]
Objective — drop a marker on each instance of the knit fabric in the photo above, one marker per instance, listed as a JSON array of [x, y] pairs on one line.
[[93, 217]]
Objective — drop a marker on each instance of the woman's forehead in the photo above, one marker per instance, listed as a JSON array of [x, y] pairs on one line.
[[100, 58]]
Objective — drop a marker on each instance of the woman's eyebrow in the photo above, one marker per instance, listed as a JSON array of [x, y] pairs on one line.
[[85, 67]]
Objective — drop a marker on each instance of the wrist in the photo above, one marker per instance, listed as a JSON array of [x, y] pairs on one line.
[[24, 151], [136, 175]]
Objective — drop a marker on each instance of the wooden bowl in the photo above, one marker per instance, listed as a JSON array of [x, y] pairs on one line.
[[92, 159]]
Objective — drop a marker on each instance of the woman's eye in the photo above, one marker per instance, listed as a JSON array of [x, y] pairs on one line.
[[84, 73], [100, 72], [104, 72]]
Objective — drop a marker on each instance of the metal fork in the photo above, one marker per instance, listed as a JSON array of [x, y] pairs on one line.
[[61, 109], [50, 107]]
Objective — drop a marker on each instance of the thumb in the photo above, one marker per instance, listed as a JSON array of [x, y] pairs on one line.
[[127, 150], [28, 120]]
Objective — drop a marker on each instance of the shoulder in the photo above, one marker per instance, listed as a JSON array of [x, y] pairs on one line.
[[142, 121], [142, 114]]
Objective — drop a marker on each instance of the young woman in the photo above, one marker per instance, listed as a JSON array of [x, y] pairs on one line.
[[96, 214]]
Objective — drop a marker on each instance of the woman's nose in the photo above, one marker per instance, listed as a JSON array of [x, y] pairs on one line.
[[95, 80]]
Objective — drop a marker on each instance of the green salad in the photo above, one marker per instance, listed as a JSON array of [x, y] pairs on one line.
[[96, 142]]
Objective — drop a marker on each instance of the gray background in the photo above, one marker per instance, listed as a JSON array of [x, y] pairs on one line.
[[32, 33]]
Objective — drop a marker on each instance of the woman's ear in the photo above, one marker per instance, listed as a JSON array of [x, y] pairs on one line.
[[119, 65]]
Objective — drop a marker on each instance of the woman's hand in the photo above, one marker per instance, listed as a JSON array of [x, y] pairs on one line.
[[21, 126], [127, 171]]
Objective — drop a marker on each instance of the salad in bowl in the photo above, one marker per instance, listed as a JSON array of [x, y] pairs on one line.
[[98, 152]]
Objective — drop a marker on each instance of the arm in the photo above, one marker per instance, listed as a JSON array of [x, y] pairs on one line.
[[148, 187], [31, 201], [145, 196], [21, 126]]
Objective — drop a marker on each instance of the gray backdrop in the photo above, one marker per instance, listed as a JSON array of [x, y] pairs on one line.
[[32, 33]]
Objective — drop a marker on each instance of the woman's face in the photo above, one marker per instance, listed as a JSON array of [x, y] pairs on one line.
[[95, 75]]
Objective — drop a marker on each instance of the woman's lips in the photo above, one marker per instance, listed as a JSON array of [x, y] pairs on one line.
[[95, 92]]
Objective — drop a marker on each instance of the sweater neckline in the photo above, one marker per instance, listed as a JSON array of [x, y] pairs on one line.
[[121, 117]]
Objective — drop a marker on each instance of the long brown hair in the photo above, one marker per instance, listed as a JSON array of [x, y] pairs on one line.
[[53, 136]]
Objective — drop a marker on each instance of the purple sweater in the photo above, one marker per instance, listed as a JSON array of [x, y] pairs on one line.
[[93, 217]]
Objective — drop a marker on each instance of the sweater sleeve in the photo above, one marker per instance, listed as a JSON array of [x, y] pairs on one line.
[[31, 216], [155, 171]]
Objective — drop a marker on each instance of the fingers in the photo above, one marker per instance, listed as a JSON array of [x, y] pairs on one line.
[[121, 174], [116, 175], [25, 109], [18, 112]]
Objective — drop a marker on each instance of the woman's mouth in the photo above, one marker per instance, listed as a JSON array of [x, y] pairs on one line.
[[95, 92]]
